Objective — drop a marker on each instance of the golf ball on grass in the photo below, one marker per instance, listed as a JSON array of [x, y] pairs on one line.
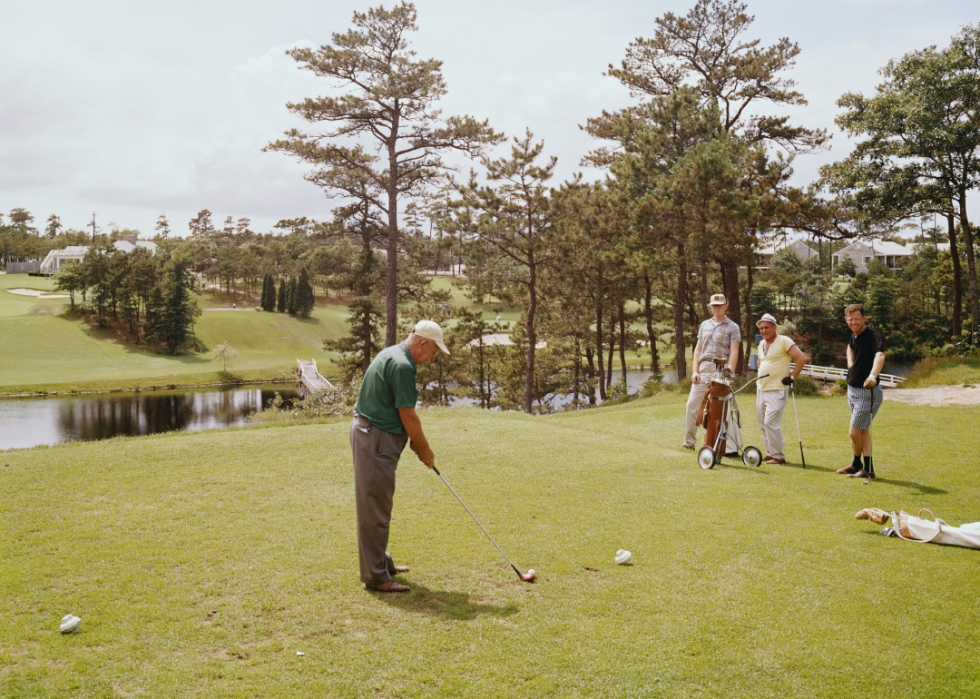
[[623, 557], [70, 623]]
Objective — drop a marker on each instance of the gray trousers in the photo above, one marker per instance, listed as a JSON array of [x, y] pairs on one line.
[[376, 454]]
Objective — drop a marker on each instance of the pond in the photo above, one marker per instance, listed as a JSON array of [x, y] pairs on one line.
[[34, 421], [28, 422]]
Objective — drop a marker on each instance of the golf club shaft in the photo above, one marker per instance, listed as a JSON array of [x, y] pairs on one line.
[[798, 432], [475, 519]]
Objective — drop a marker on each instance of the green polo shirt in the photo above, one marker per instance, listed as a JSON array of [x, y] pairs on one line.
[[389, 384]]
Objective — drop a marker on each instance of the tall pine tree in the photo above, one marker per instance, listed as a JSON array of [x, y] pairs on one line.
[[281, 302], [304, 295], [179, 308]]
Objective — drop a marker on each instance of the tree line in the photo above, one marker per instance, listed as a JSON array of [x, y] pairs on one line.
[[693, 179]]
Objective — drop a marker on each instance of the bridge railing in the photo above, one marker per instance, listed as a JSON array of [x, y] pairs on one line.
[[310, 375], [830, 373]]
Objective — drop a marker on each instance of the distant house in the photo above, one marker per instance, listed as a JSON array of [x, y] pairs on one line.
[[863, 251], [763, 256], [57, 258]]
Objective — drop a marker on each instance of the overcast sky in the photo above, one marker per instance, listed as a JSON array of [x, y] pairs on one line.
[[131, 109]]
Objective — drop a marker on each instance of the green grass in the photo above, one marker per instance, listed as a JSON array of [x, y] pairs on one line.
[[945, 372], [201, 564], [46, 348]]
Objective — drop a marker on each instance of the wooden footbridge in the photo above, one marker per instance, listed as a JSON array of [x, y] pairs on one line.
[[829, 373], [310, 378]]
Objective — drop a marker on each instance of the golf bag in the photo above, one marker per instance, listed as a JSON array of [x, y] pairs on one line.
[[713, 413], [922, 530]]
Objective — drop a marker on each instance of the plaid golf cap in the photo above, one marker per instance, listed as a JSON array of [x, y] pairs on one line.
[[718, 300], [430, 330]]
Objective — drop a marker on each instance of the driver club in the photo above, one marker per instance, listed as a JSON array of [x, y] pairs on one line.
[[526, 577]]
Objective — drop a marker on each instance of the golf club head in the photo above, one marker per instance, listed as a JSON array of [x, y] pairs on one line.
[[528, 576]]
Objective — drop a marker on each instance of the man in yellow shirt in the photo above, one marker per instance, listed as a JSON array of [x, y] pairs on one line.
[[775, 353]]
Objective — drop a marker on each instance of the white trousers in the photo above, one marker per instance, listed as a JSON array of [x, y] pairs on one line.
[[694, 403], [769, 407]]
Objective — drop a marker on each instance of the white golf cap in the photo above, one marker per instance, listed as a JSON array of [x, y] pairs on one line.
[[717, 300], [766, 318], [430, 330]]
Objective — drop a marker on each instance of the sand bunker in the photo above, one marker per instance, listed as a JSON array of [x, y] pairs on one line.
[[38, 294], [935, 396]]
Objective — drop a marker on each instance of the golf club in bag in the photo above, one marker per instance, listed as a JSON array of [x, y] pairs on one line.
[[526, 577], [792, 389]]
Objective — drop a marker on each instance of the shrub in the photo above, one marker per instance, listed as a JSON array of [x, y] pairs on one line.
[[839, 388], [654, 386], [618, 391], [805, 386]]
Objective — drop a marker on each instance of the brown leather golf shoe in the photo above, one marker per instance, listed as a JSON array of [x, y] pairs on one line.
[[773, 460], [862, 474], [390, 586], [394, 570], [848, 470]]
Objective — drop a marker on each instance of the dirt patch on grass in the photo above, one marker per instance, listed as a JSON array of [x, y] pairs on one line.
[[936, 396]]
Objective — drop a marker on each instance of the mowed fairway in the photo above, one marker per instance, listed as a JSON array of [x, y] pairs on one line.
[[204, 564], [42, 345]]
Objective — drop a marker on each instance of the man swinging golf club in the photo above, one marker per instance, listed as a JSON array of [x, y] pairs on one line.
[[772, 393], [384, 420], [718, 340], [865, 360]]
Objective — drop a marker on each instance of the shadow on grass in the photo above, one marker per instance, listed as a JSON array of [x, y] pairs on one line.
[[927, 489], [450, 605]]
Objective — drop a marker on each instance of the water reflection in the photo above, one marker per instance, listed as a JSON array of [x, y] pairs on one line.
[[27, 422]]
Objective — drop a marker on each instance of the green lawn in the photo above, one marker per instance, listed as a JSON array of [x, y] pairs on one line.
[[203, 564], [46, 348], [945, 372]]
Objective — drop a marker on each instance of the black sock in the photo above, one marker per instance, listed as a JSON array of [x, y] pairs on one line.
[[857, 461], [868, 466]]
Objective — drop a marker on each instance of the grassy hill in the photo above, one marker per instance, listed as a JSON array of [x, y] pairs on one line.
[[45, 348], [224, 564]]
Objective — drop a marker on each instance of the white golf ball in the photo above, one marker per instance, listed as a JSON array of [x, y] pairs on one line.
[[70, 623], [531, 571]]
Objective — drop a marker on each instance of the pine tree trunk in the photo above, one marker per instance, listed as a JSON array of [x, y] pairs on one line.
[[622, 337], [729, 270], [648, 311], [957, 276], [599, 348], [971, 269], [391, 306], [591, 373], [531, 336], [749, 329], [679, 303]]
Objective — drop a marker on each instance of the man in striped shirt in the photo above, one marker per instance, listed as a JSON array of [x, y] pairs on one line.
[[718, 339]]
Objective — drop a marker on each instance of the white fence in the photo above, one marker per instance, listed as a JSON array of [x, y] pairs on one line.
[[829, 373]]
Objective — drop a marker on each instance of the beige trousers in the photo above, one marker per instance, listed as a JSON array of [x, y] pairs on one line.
[[769, 407], [694, 404]]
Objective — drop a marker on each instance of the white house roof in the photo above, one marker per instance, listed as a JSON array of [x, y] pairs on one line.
[[880, 247], [128, 246], [782, 245]]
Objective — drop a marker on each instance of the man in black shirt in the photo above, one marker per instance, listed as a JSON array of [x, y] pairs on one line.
[[865, 359]]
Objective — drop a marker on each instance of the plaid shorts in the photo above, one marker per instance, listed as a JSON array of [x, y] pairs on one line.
[[864, 404]]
